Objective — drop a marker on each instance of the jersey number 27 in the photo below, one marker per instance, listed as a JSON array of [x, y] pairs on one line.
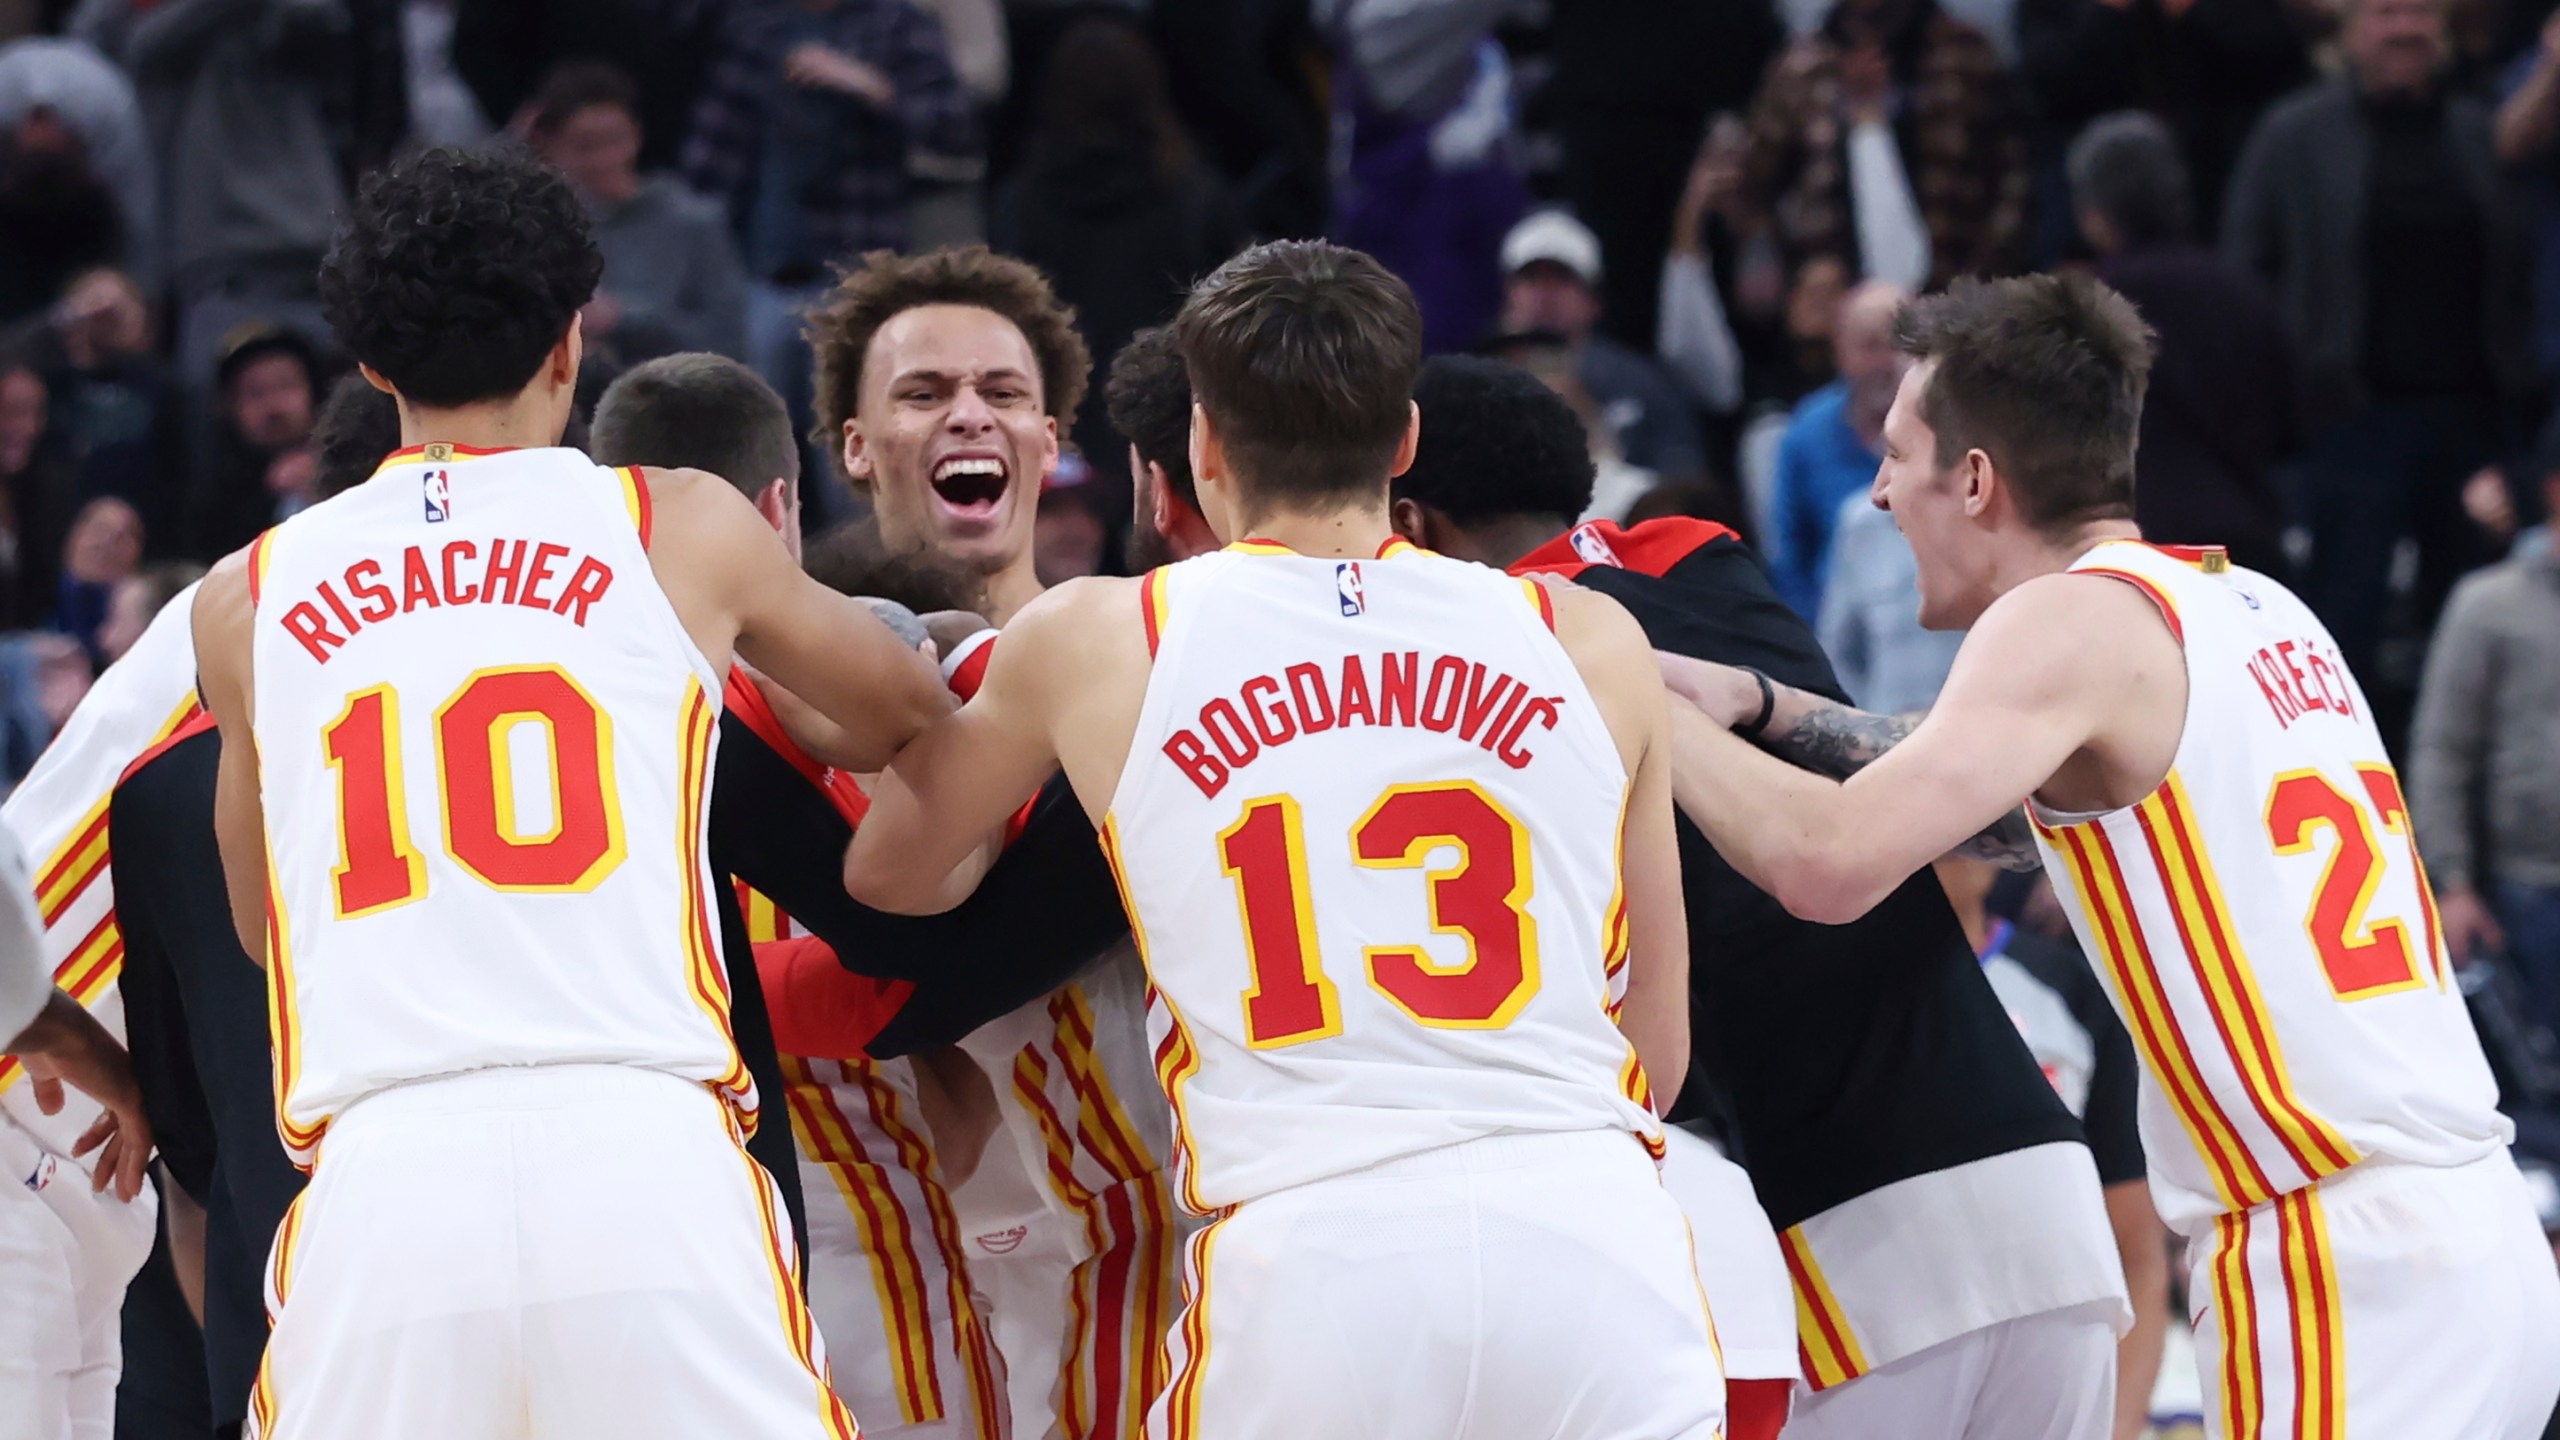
[[1480, 899], [379, 867]]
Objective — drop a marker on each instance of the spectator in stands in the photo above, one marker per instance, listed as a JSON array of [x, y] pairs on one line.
[[103, 548], [2207, 68], [262, 468], [1869, 619], [2221, 413], [1633, 86], [42, 679], [37, 493], [2485, 784], [1617, 483], [1248, 77], [137, 598], [671, 275], [1888, 142], [114, 403], [441, 108], [85, 92], [1551, 284], [503, 48], [1111, 203], [1429, 174], [1833, 445], [802, 133], [2528, 140], [57, 218], [238, 96], [2373, 205], [1069, 534]]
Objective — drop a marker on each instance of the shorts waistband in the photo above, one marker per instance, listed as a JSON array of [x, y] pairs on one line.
[[1519, 1150], [526, 1087]]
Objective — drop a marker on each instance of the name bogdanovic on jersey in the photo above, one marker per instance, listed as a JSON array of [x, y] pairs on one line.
[[1369, 840], [485, 743]]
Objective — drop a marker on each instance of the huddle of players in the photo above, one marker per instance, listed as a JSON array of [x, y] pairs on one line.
[[1941, 1224]]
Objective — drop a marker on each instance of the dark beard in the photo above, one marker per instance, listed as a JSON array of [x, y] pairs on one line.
[[1146, 549]]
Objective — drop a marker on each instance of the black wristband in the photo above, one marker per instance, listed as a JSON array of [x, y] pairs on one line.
[[1751, 729]]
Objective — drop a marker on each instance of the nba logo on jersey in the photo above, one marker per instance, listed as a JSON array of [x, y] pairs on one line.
[[1594, 550], [1346, 585], [439, 491]]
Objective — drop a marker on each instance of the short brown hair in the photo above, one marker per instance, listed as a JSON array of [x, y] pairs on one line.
[[696, 411], [1305, 355], [2044, 374], [887, 284]]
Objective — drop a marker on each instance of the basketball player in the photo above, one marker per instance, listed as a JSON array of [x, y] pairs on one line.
[[1417, 1149], [468, 717], [70, 1250], [1943, 1223], [2213, 801], [945, 377]]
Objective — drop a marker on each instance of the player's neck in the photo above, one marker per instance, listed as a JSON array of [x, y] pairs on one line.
[[1501, 542], [522, 421], [1354, 533], [2051, 555], [1011, 588]]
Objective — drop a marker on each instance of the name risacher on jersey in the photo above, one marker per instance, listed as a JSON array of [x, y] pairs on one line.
[[485, 746]]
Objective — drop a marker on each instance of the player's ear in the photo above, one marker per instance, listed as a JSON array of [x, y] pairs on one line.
[[1208, 454], [1979, 481], [1411, 521], [566, 354], [1411, 443], [857, 455]]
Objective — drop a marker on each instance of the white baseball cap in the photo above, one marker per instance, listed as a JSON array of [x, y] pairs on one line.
[[1555, 236]]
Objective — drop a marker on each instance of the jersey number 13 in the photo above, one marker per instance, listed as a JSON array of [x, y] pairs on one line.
[[1479, 899]]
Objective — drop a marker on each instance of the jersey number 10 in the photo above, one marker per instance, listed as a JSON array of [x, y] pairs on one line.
[[1480, 899], [379, 868]]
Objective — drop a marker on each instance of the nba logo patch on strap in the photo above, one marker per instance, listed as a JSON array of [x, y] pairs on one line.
[[1592, 546], [438, 487], [1347, 587]]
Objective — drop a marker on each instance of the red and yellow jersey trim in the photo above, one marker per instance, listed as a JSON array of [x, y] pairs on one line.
[[1177, 1057], [1119, 1298], [830, 1142], [635, 499], [82, 859], [704, 975], [1540, 600], [1827, 1345], [435, 450], [257, 566], [799, 1330], [1152, 608], [2143, 583]]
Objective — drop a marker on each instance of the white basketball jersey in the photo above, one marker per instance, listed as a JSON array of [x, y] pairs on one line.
[[59, 813], [486, 745], [2263, 919], [1368, 835]]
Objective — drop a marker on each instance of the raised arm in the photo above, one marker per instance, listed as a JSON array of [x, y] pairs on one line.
[[719, 559], [2025, 696], [1829, 738], [222, 618], [1616, 662]]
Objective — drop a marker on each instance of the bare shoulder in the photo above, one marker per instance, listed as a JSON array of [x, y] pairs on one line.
[[694, 499], [223, 604], [1595, 627], [1086, 615], [2077, 635]]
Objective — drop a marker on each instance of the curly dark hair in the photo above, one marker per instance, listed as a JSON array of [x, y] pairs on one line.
[[1149, 395], [356, 427], [1496, 442], [852, 559], [886, 284], [456, 271]]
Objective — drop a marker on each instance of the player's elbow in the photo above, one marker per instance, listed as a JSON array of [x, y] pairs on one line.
[[1828, 889]]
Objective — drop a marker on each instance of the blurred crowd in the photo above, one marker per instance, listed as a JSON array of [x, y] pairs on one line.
[[1695, 219]]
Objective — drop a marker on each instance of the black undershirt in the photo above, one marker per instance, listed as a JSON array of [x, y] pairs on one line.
[[1850, 1056]]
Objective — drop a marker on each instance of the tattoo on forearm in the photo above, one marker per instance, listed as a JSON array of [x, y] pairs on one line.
[[1835, 740]]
